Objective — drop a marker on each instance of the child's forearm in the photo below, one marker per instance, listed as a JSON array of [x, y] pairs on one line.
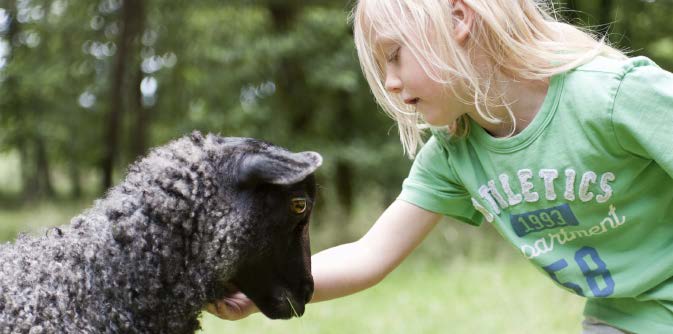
[[349, 268], [343, 270]]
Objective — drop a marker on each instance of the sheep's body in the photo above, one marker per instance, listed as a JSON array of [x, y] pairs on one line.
[[156, 249]]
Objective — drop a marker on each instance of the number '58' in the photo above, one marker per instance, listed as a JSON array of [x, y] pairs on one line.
[[590, 274]]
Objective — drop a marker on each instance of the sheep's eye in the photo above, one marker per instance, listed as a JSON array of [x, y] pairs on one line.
[[298, 205]]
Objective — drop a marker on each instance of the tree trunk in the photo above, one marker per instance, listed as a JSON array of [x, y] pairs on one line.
[[75, 180], [141, 124], [572, 12], [344, 169], [74, 144], [45, 188], [284, 14], [36, 179], [344, 185], [27, 179], [13, 103], [34, 166], [605, 18], [131, 19], [74, 171]]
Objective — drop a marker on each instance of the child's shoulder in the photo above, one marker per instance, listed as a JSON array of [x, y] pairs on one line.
[[597, 83], [620, 67], [612, 78]]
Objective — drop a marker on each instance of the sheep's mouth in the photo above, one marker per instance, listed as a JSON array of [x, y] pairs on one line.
[[276, 303], [276, 300], [280, 307], [228, 288]]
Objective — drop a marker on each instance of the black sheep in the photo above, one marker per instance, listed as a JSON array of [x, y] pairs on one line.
[[190, 220]]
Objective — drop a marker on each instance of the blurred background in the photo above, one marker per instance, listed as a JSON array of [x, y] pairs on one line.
[[86, 87]]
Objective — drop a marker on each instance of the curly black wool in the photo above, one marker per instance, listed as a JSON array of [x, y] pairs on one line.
[[148, 256]]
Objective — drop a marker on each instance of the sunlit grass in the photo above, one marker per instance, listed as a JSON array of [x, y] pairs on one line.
[[421, 297], [461, 280]]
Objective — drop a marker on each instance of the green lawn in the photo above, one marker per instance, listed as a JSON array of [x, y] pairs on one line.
[[462, 297], [461, 280]]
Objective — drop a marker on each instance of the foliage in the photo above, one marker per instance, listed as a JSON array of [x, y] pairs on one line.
[[284, 71], [460, 298]]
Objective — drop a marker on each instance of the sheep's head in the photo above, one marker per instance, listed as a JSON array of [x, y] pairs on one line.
[[267, 195], [277, 190], [236, 211]]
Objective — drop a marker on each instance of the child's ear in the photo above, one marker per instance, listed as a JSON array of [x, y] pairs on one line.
[[462, 16]]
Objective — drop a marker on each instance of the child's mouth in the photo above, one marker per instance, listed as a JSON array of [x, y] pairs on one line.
[[411, 101]]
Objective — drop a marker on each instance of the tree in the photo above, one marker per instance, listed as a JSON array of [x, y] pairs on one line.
[[132, 17]]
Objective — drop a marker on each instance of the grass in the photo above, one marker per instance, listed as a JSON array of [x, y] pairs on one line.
[[500, 296]]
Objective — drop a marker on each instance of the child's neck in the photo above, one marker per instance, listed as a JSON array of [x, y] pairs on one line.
[[525, 99]]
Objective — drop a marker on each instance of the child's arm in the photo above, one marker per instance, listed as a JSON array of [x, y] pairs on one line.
[[349, 268]]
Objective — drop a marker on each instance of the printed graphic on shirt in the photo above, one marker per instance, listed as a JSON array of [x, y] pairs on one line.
[[561, 222], [500, 195], [539, 220], [547, 243], [593, 269]]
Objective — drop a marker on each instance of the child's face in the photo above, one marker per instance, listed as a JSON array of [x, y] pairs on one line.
[[405, 76]]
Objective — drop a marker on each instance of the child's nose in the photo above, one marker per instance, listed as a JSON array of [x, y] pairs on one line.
[[393, 83]]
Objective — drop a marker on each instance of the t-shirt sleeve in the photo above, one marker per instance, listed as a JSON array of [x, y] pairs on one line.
[[642, 115], [432, 185]]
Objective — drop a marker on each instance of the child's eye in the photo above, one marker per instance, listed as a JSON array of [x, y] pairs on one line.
[[393, 55]]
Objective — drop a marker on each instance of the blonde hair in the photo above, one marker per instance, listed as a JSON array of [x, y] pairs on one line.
[[521, 38]]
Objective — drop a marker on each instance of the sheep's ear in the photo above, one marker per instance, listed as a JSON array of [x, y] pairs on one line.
[[278, 167]]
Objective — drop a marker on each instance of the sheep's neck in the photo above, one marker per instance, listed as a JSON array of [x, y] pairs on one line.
[[155, 275]]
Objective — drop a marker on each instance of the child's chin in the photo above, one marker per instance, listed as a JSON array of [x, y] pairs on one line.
[[437, 118], [437, 122]]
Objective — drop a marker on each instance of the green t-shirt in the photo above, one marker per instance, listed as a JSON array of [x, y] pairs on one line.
[[585, 191]]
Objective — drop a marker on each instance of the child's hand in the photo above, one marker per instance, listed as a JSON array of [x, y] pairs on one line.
[[234, 307]]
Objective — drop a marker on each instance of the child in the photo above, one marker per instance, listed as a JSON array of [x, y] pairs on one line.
[[560, 141]]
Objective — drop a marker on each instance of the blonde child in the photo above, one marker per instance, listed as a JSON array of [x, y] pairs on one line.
[[561, 142]]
